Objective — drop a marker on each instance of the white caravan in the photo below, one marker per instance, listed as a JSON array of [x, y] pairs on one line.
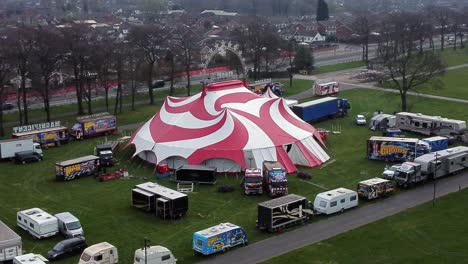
[[102, 253], [69, 225], [37, 222], [336, 200], [430, 125], [10, 243], [30, 259], [154, 255]]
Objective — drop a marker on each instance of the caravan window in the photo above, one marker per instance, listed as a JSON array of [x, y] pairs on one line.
[[424, 125], [98, 258], [31, 225], [165, 257], [416, 123], [323, 204], [19, 217], [332, 204], [199, 243], [464, 159], [85, 257], [352, 198], [342, 200]]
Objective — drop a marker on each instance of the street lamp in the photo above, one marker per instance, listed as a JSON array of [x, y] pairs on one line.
[[434, 178], [290, 48]]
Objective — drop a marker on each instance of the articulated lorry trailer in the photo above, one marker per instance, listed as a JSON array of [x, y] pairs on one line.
[[432, 166], [10, 243], [328, 107]]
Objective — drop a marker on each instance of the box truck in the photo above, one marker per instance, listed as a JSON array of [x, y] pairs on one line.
[[10, 243], [71, 169], [274, 179], [46, 137], [326, 87], [336, 200], [94, 125], [437, 143], [282, 212], [218, 238], [164, 202], [328, 107], [37, 223], [9, 147], [196, 174], [395, 149]]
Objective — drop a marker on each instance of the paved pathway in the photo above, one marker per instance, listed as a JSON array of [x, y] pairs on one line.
[[340, 223]]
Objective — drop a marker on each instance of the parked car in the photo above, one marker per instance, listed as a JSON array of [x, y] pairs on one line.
[[361, 120], [158, 83], [27, 156], [67, 247], [7, 106], [389, 171]]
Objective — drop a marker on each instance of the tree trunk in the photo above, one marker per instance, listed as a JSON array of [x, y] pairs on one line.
[[187, 70], [119, 90], [150, 81], [106, 91], [442, 40], [404, 103], [25, 99], [90, 90], [455, 41], [421, 42], [462, 44], [2, 129], [46, 98], [171, 89], [18, 102], [79, 98]]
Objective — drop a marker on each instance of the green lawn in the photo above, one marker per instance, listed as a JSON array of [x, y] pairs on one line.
[[339, 67], [423, 234], [456, 57], [106, 214]]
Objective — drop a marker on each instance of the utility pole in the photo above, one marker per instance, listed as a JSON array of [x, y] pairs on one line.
[[434, 179], [146, 245]]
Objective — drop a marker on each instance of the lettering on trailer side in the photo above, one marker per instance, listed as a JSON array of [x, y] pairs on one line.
[[386, 150]]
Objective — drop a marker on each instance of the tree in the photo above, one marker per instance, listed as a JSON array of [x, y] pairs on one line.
[[150, 40], [5, 73], [442, 17], [47, 57], [407, 69], [188, 45], [322, 10], [303, 59], [363, 27]]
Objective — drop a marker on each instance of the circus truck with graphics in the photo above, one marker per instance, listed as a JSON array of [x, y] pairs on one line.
[[218, 238], [395, 149], [73, 169], [326, 87], [274, 179], [94, 125], [253, 181], [46, 134]]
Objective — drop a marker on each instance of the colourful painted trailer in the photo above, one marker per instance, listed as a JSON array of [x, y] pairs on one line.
[[94, 125], [76, 168], [218, 238]]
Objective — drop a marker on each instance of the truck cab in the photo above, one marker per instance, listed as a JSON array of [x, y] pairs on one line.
[[252, 181], [69, 225], [274, 178], [408, 174]]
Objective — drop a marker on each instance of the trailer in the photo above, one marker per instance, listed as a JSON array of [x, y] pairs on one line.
[[282, 212], [382, 122], [9, 147], [437, 143], [196, 174], [274, 179], [218, 238], [94, 125], [10, 243], [46, 137], [37, 222], [375, 188], [164, 202], [328, 107], [337, 200], [30, 258], [430, 125], [76, 168], [326, 87], [432, 166], [395, 149]]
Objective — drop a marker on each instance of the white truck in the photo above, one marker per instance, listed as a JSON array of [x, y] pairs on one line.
[[154, 255], [101, 253], [30, 259], [37, 222], [9, 147], [10, 243]]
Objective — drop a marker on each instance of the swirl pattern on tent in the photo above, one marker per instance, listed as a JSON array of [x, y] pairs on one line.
[[229, 127]]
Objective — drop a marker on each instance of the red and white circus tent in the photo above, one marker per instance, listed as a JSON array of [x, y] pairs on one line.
[[229, 127]]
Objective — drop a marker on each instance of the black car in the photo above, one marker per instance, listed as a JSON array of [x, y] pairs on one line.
[[67, 247], [27, 156], [7, 106]]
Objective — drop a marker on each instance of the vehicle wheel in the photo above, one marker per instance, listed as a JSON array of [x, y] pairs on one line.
[[23, 162], [342, 210]]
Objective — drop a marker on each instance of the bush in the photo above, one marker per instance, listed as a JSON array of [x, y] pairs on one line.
[[304, 175], [225, 189]]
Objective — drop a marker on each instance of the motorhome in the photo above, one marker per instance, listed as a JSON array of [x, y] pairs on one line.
[[30, 259], [10, 243], [37, 222], [69, 225], [336, 200], [154, 255], [102, 253], [429, 125]]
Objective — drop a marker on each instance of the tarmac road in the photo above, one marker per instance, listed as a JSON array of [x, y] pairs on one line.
[[340, 223]]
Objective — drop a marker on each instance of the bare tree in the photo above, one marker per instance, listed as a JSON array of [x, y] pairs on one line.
[[188, 45], [5, 73], [150, 40], [47, 56], [119, 59], [407, 69], [442, 18], [363, 26], [457, 21], [101, 61]]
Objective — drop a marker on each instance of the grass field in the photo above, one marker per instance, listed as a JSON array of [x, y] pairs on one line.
[[339, 67], [106, 214], [455, 57], [423, 234]]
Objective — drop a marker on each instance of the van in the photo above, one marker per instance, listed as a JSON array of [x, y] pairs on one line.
[[69, 225], [30, 259], [334, 201], [102, 253], [37, 222], [154, 255], [27, 156]]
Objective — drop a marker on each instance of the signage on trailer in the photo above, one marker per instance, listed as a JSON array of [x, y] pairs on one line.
[[34, 127]]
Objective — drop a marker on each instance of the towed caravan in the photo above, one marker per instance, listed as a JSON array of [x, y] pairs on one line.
[[430, 125], [336, 200], [37, 222]]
